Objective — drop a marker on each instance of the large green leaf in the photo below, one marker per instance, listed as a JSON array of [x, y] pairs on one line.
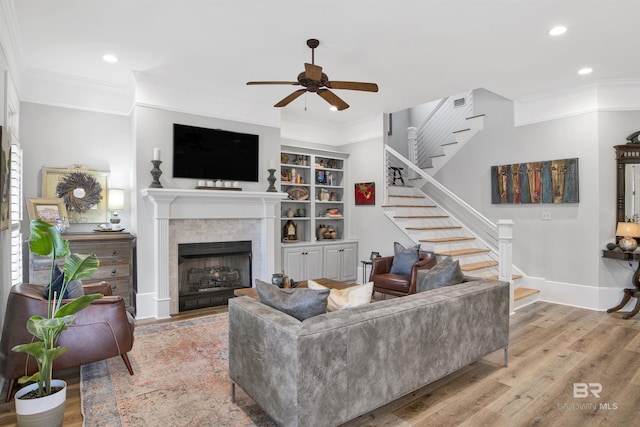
[[76, 305], [33, 348], [45, 240], [47, 329], [77, 266]]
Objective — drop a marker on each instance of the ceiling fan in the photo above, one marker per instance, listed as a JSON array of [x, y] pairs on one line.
[[314, 80]]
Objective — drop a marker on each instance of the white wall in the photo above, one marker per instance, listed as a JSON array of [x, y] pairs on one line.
[[5, 236], [368, 224], [61, 137], [154, 128]]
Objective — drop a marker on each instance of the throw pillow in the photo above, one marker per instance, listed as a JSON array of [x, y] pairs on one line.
[[404, 258], [300, 303], [339, 299], [74, 288], [442, 274]]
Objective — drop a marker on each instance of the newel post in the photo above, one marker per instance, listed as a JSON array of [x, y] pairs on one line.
[[505, 252], [412, 134]]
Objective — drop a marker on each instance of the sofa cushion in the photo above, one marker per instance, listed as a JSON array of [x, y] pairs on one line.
[[444, 273], [300, 303], [404, 258], [339, 299]]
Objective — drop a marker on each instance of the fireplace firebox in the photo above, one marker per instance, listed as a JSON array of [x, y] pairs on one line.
[[208, 273]]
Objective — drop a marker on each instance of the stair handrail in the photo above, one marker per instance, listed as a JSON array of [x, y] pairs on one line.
[[483, 219]]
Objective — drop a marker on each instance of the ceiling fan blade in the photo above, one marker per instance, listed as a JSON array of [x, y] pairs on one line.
[[312, 71], [273, 83], [367, 87], [290, 98], [333, 99]]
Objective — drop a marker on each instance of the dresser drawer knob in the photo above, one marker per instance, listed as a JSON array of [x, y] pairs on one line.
[[114, 272], [114, 253]]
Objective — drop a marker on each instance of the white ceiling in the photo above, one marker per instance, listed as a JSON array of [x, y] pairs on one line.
[[416, 51]]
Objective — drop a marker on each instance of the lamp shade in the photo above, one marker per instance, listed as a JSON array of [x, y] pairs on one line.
[[115, 200], [628, 229]]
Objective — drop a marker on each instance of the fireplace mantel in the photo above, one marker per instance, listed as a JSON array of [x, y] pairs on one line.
[[171, 204]]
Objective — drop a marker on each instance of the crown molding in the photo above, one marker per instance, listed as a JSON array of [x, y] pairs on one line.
[[606, 95], [63, 90], [10, 41]]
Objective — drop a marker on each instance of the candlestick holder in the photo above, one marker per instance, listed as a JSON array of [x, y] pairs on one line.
[[155, 173], [272, 180]]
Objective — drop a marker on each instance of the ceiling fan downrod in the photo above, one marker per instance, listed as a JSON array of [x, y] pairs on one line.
[[313, 43]]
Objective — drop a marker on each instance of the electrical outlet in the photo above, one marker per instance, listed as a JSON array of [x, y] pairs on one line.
[[546, 215]]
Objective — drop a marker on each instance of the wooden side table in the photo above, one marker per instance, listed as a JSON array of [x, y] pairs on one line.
[[628, 292]]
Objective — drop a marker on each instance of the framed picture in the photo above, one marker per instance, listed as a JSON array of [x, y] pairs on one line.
[[84, 192], [49, 210], [5, 182], [365, 193]]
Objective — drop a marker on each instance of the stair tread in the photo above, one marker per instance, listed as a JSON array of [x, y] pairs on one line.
[[520, 293], [513, 277], [462, 130], [408, 197], [478, 265], [409, 206], [446, 239], [467, 251], [397, 185], [449, 227], [420, 216], [448, 143]]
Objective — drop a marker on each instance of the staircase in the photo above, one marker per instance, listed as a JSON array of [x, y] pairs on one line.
[[442, 223]]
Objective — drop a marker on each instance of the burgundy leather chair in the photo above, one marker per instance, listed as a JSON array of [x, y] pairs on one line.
[[102, 330], [397, 284]]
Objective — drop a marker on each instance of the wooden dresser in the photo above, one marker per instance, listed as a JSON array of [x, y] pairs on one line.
[[116, 252]]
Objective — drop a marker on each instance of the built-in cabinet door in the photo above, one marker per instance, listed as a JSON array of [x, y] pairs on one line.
[[340, 262], [293, 263], [303, 262], [313, 259], [349, 264], [332, 262]]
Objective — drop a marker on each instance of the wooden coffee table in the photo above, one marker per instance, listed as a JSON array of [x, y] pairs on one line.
[[329, 283]]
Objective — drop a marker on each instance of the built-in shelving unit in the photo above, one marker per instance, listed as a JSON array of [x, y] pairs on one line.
[[317, 206]]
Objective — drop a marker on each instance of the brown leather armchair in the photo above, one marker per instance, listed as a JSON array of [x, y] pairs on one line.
[[102, 330], [397, 284]]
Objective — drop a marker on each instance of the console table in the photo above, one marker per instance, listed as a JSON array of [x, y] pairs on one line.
[[628, 292]]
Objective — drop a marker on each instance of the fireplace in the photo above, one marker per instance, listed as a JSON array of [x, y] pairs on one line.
[[209, 272]]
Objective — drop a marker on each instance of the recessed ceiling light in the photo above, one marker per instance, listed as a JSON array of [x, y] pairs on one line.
[[585, 70], [110, 58], [333, 108], [556, 31]]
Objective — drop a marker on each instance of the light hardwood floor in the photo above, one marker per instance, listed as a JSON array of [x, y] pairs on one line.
[[551, 348]]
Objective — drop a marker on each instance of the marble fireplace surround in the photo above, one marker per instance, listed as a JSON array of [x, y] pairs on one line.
[[194, 216]]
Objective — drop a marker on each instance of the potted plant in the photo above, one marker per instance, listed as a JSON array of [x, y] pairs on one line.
[[45, 239]]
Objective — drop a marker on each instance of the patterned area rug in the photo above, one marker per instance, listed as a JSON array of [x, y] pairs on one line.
[[181, 379]]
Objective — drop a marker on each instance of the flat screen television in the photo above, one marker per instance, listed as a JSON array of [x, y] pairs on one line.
[[203, 153]]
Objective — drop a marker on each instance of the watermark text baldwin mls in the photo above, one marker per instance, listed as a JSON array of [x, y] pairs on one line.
[[583, 391]]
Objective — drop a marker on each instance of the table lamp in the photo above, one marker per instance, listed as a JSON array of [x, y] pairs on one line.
[[115, 203], [628, 230]]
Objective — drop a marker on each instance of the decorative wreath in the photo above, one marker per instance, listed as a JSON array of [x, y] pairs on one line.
[[79, 181]]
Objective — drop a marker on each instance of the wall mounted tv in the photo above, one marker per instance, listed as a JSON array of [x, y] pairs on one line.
[[203, 153]]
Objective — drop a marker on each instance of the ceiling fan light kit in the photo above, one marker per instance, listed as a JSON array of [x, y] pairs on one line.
[[314, 80]]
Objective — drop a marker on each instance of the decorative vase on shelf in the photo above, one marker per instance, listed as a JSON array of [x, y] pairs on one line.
[[321, 231]]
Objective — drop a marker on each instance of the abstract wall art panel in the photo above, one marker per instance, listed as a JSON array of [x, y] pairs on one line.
[[551, 181]]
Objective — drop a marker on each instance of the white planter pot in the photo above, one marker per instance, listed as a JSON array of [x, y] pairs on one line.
[[44, 411]]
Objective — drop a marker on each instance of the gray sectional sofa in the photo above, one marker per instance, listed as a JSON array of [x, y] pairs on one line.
[[331, 368]]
